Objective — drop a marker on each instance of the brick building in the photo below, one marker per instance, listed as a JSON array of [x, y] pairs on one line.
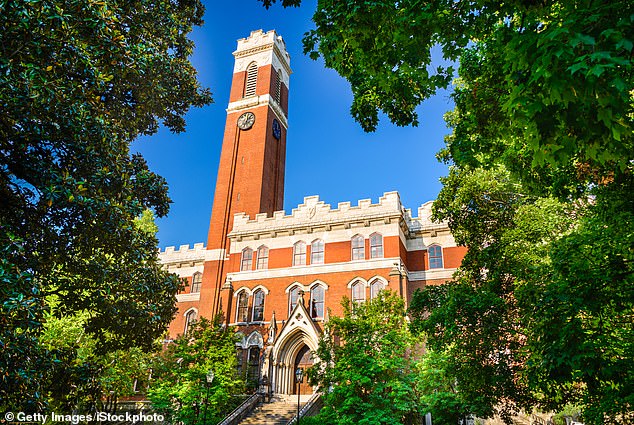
[[275, 276]]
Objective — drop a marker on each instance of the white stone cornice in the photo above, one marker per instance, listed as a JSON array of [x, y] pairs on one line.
[[256, 101], [188, 297], [359, 265], [431, 274]]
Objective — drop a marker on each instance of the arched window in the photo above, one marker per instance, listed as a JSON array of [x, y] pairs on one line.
[[251, 81], [299, 253], [293, 296], [263, 258], [358, 247], [190, 319], [435, 257], [258, 306], [197, 280], [317, 302], [242, 307], [317, 252], [247, 260], [375, 287], [376, 245], [358, 292]]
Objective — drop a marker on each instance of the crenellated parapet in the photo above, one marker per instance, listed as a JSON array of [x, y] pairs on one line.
[[315, 214], [184, 254]]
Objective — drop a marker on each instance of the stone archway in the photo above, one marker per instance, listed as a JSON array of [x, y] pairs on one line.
[[298, 336]]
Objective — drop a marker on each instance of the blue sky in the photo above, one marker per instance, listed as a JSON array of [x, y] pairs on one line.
[[327, 152]]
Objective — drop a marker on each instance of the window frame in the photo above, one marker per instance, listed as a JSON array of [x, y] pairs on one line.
[[246, 261], [357, 249], [312, 304], [376, 246], [361, 285], [197, 280], [376, 282], [189, 320], [262, 262], [242, 308], [301, 255], [291, 305], [255, 306], [321, 250], [436, 261]]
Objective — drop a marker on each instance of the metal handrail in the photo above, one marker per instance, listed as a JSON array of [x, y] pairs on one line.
[[309, 404], [246, 405]]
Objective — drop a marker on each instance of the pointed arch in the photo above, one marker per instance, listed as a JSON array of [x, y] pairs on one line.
[[191, 315], [257, 314], [377, 284]]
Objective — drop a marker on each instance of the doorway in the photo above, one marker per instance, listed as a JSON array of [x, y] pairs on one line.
[[303, 360]]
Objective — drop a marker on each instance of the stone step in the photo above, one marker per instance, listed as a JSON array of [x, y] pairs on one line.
[[274, 413]]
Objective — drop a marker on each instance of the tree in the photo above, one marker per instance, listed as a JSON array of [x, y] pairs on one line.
[[364, 365], [437, 390], [557, 75], [540, 312], [541, 153], [178, 387], [78, 82]]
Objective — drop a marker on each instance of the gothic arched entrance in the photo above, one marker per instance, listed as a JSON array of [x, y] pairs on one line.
[[303, 360], [294, 346]]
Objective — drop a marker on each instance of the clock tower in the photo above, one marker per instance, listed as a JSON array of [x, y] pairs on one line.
[[251, 170]]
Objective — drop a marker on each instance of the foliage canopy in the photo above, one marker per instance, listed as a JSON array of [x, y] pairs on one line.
[[540, 185], [78, 82]]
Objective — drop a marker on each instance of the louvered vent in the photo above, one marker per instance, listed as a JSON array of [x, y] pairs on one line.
[[278, 86], [252, 79]]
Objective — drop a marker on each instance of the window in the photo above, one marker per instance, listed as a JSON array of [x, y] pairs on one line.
[[299, 254], [240, 363], [197, 280], [252, 80], [242, 307], [317, 302], [258, 306], [375, 287], [358, 292], [190, 319], [358, 248], [247, 260], [263, 258], [376, 245], [253, 365], [293, 296], [435, 257], [317, 252]]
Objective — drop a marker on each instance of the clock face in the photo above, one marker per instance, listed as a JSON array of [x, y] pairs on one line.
[[277, 129], [246, 120]]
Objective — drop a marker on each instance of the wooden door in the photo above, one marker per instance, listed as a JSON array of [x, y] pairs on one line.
[[303, 361]]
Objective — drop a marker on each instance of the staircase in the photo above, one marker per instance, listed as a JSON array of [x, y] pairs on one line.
[[276, 412]]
